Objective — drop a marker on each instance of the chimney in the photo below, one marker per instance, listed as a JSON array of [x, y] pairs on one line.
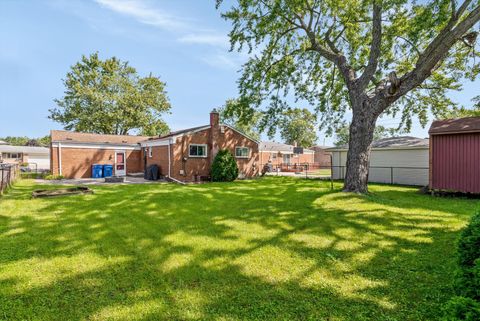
[[214, 118]]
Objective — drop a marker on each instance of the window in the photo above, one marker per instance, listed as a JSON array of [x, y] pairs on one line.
[[150, 151], [197, 150], [11, 155], [274, 155], [242, 152]]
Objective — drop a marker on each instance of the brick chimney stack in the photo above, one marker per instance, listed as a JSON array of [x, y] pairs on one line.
[[214, 118], [214, 133]]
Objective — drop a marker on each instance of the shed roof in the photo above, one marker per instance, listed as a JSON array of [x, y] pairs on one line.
[[68, 136], [24, 149], [400, 142], [457, 125], [278, 147]]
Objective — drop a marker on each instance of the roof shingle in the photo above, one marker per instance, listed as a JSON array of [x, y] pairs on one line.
[[67, 136], [457, 125]]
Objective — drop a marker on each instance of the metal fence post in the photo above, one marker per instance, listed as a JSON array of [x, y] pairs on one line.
[[391, 175]]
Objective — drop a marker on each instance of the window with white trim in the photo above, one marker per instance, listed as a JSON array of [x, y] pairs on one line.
[[242, 152], [197, 150]]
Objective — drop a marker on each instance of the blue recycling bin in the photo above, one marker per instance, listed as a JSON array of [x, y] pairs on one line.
[[107, 170], [97, 171]]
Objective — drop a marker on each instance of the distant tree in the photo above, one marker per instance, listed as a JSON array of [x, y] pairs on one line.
[[298, 126], [342, 134], [26, 141], [248, 125], [109, 97]]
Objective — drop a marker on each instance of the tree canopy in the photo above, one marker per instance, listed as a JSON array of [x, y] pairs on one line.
[[298, 127], [109, 97], [370, 58], [27, 141], [342, 134], [229, 114]]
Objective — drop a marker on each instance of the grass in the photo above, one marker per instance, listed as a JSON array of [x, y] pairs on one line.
[[276, 248]]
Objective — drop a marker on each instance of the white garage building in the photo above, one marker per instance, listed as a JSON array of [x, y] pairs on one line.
[[398, 160], [36, 157]]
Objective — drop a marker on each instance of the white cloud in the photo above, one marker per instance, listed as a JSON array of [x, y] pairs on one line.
[[223, 61], [146, 14], [212, 39]]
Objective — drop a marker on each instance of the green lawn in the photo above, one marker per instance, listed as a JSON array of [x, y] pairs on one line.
[[276, 248]]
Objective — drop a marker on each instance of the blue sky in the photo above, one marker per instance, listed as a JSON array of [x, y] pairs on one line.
[[184, 42]]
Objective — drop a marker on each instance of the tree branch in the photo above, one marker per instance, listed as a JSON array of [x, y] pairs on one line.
[[374, 48]]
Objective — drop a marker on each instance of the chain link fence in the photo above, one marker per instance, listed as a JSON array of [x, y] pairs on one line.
[[8, 174], [377, 174]]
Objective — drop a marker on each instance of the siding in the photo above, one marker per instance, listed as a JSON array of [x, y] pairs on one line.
[[410, 166], [455, 162]]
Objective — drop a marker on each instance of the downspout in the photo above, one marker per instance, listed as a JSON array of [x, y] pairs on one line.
[[59, 158], [169, 162]]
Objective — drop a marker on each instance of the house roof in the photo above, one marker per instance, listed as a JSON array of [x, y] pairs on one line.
[[2, 142], [198, 128], [278, 147], [68, 136], [321, 147], [24, 149], [457, 125], [401, 142]]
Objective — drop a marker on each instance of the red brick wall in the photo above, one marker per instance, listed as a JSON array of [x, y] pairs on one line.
[[199, 166], [159, 157], [77, 162], [322, 157]]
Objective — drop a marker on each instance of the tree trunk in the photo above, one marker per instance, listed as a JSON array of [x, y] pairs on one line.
[[358, 155]]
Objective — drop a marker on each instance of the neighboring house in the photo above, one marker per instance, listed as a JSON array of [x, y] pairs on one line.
[[2, 142], [322, 156], [184, 155], [283, 154], [455, 155], [36, 157], [187, 155], [398, 160], [73, 153]]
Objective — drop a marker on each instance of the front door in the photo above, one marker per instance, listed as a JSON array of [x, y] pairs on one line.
[[286, 158], [120, 164]]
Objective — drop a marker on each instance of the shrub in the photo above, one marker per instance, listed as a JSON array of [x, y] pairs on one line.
[[467, 280], [32, 175], [461, 308], [54, 177], [224, 167]]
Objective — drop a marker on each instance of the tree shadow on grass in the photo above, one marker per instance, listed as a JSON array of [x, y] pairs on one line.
[[267, 249]]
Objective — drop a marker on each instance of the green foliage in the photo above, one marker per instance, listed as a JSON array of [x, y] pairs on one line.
[[460, 112], [52, 177], [224, 167], [306, 50], [231, 115], [466, 306], [462, 309], [342, 134], [32, 175], [108, 97], [298, 126], [26, 141]]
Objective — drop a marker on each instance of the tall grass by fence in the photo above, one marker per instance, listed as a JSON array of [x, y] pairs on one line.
[[8, 174]]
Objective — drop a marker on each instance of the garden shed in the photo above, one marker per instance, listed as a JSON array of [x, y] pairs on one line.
[[455, 155]]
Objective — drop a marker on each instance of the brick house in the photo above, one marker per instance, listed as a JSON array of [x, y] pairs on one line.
[[184, 155], [279, 154], [322, 157]]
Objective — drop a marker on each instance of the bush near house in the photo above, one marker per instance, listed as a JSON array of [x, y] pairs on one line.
[[224, 167], [466, 306]]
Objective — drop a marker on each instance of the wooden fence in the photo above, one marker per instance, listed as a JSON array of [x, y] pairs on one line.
[[8, 174]]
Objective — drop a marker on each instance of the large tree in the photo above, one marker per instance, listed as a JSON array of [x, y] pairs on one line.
[[394, 57], [462, 111], [109, 97], [297, 127]]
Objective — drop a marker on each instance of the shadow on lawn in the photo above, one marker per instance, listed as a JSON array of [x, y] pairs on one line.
[[269, 249]]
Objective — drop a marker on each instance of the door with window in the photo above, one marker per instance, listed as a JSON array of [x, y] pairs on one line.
[[120, 164], [286, 158]]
